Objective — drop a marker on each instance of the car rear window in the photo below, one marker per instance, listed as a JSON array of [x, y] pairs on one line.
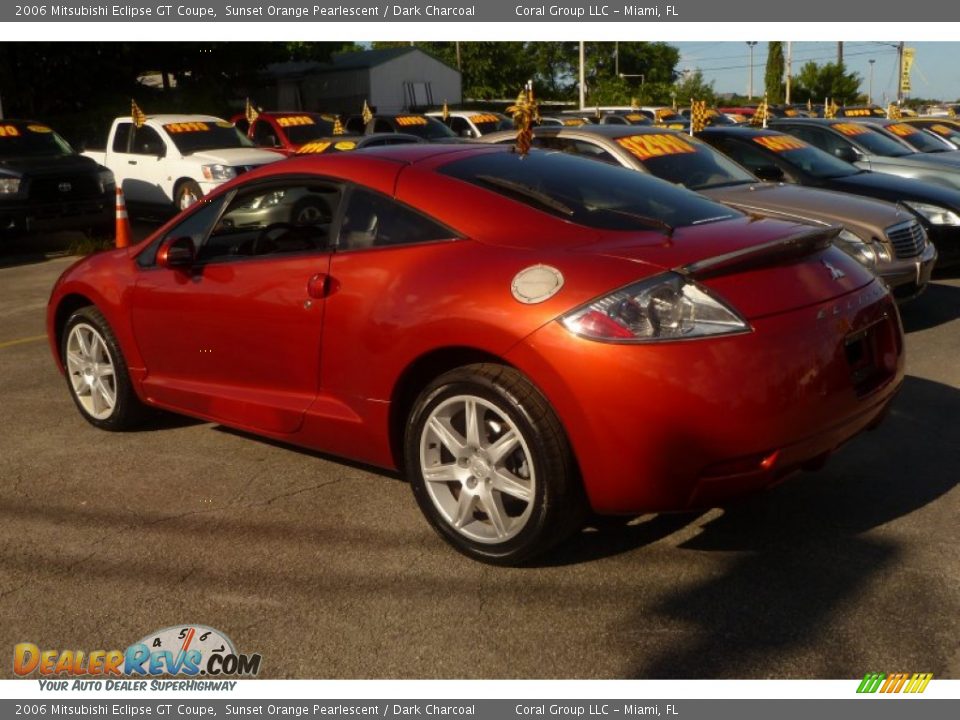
[[588, 193]]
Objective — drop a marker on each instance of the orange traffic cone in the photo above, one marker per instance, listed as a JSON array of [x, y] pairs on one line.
[[124, 234]]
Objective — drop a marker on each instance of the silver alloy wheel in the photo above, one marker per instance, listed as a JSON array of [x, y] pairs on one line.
[[477, 469], [91, 371]]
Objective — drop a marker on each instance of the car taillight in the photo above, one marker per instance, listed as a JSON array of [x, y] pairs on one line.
[[661, 308]]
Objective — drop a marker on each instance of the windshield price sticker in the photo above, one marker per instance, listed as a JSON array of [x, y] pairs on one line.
[[636, 117], [317, 146], [484, 118], [790, 112], [850, 129], [942, 130], [9, 131], [42, 129], [858, 112], [294, 120], [574, 122], [902, 130], [185, 127], [411, 120], [644, 147], [345, 145], [780, 143]]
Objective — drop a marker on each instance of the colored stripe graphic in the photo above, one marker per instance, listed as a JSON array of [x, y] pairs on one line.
[[894, 683]]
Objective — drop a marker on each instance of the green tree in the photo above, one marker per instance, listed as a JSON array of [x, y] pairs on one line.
[[773, 79], [818, 82], [693, 87]]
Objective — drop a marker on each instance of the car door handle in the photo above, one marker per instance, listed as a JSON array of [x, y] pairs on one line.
[[318, 286], [131, 162]]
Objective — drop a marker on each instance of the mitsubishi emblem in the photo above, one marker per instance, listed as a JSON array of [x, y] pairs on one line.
[[835, 273]]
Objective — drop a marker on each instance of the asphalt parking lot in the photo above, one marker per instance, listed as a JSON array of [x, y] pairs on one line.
[[328, 570]]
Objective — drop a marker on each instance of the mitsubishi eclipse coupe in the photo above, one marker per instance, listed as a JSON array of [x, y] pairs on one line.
[[528, 339]]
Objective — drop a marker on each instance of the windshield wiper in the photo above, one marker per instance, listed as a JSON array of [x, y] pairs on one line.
[[529, 193], [645, 219]]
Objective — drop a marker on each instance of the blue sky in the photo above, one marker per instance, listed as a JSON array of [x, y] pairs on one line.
[[936, 71]]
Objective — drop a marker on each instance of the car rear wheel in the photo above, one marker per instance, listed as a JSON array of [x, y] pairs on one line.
[[490, 465], [97, 373]]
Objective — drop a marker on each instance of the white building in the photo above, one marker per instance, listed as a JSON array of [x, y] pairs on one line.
[[390, 80]]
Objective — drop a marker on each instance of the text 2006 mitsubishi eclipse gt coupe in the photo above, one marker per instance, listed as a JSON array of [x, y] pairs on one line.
[[526, 338]]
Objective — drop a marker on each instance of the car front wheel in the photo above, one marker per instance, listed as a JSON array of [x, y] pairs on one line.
[[490, 465], [97, 374]]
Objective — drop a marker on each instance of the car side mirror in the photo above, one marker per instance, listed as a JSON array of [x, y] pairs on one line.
[[847, 154], [176, 253], [769, 173]]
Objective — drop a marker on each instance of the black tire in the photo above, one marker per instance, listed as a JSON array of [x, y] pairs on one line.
[[188, 192], [501, 397], [127, 411]]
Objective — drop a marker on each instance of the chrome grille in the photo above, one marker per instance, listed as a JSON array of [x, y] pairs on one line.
[[908, 238]]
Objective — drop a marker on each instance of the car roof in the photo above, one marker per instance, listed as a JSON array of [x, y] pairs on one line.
[[734, 130], [609, 131], [179, 118]]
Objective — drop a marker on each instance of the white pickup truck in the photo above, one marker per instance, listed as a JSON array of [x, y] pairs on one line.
[[174, 160]]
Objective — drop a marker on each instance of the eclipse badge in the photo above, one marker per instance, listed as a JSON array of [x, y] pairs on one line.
[[835, 273]]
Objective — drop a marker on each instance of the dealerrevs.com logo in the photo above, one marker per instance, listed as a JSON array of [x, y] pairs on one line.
[[178, 651]]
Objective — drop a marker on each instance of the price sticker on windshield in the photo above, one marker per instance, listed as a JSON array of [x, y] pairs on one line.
[[636, 117], [944, 130], [317, 146], [850, 129], [9, 131], [858, 112], [644, 147], [293, 120], [780, 143], [574, 122], [484, 118], [405, 120], [902, 129], [39, 129], [345, 145], [186, 127]]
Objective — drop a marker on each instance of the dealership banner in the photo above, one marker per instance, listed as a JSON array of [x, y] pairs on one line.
[[476, 709], [323, 11]]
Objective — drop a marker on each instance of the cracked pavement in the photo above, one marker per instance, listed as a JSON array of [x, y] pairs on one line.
[[328, 570]]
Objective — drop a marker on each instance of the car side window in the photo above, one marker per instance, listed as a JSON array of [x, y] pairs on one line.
[[196, 226], [577, 147], [753, 159], [815, 136], [460, 126], [147, 141], [274, 219], [121, 138], [355, 125], [264, 134], [382, 126], [375, 220]]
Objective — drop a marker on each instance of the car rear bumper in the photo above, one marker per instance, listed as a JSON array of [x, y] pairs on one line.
[[672, 426]]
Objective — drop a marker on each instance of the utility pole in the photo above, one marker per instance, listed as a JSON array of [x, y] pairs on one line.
[[840, 54], [459, 64], [900, 73], [583, 94], [616, 58], [751, 44], [789, 70], [870, 92]]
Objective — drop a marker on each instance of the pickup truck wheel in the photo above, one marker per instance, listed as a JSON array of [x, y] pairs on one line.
[[188, 192]]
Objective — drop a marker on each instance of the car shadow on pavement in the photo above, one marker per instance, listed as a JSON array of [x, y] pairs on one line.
[[800, 559], [939, 305]]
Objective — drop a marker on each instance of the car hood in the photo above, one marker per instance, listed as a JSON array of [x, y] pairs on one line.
[[236, 156], [863, 216], [895, 188], [44, 166]]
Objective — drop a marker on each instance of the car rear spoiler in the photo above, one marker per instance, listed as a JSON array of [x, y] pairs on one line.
[[785, 249]]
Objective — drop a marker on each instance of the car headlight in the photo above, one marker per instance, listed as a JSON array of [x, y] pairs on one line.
[[9, 186], [934, 214], [218, 172], [866, 253], [105, 179], [664, 307], [271, 199]]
